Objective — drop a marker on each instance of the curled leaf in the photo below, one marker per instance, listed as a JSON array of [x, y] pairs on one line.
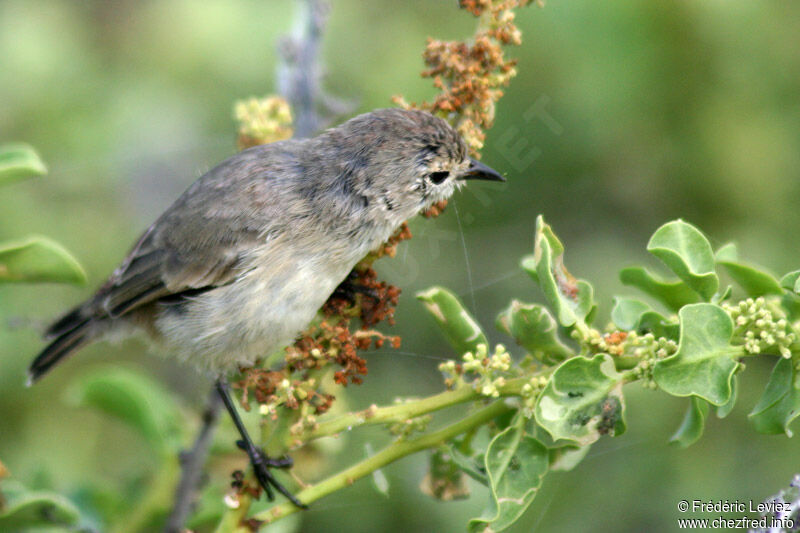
[[583, 400], [572, 299], [780, 403], [691, 428], [791, 281], [658, 325], [726, 408], [755, 282], [535, 329], [672, 293], [19, 161], [565, 458], [627, 312], [39, 259], [706, 360], [461, 330], [687, 252], [472, 464], [516, 464]]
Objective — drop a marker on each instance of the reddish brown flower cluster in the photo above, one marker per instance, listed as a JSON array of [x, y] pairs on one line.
[[435, 210], [264, 386], [374, 303], [379, 300], [469, 74], [615, 337], [388, 248], [330, 341], [262, 382]]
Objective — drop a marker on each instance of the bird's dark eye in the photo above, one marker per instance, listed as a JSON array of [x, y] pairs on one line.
[[438, 177]]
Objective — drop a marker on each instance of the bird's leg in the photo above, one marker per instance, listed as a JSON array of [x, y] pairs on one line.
[[348, 289], [261, 461]]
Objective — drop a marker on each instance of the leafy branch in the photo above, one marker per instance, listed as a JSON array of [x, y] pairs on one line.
[[566, 392], [391, 453], [540, 408]]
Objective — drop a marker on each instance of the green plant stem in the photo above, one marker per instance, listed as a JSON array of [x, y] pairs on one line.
[[397, 413], [391, 453], [629, 376]]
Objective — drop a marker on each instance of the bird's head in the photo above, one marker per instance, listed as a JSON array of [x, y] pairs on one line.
[[399, 162]]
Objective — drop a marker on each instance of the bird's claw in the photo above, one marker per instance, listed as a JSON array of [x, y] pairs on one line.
[[261, 463]]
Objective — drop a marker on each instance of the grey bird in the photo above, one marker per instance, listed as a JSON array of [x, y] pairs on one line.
[[245, 257]]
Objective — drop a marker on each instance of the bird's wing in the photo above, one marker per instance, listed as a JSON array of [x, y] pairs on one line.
[[160, 268], [201, 241]]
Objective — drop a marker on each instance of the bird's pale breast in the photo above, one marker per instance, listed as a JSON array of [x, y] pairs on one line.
[[265, 307]]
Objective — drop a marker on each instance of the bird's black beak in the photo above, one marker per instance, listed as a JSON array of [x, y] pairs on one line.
[[479, 171]]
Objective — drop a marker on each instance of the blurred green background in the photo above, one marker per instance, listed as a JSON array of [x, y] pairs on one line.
[[624, 115]]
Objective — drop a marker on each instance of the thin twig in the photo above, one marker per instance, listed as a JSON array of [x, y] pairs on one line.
[[192, 466], [299, 72]]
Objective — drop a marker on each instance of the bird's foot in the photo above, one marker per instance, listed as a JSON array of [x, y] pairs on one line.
[[261, 463]]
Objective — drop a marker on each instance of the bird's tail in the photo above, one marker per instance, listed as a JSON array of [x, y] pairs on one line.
[[69, 333]]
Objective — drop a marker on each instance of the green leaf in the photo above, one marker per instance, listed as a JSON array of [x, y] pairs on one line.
[[461, 330], [791, 304], [516, 464], [705, 361], [583, 400], [658, 325], [135, 399], [754, 282], [726, 408], [571, 299], [727, 252], [472, 464], [565, 458], [686, 251], [18, 162], [25, 510], [790, 300], [693, 423], [535, 329], [722, 295], [780, 403], [39, 259], [627, 312], [673, 294], [791, 281]]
